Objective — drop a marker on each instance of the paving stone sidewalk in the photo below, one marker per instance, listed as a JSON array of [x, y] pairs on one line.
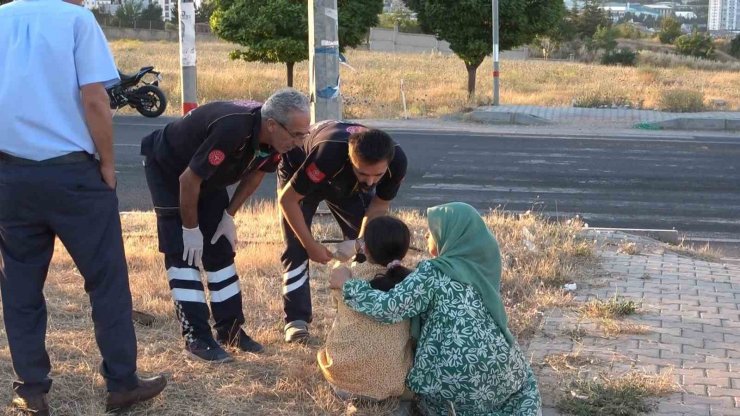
[[691, 309]]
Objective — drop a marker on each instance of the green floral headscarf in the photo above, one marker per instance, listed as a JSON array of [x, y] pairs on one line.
[[468, 253]]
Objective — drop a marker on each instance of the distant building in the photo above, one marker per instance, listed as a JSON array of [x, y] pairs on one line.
[[724, 15], [110, 6], [619, 10]]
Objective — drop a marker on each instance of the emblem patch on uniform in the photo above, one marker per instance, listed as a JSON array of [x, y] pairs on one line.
[[314, 173], [216, 157], [356, 129]]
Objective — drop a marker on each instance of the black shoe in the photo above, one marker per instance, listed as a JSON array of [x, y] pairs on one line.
[[244, 342], [207, 350], [36, 405], [146, 389]]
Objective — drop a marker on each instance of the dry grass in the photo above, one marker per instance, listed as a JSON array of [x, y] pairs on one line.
[[569, 362], [612, 327], [434, 84], [628, 247], [609, 309], [285, 380], [704, 252], [627, 395]]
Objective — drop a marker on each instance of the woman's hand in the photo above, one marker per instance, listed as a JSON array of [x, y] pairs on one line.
[[338, 276]]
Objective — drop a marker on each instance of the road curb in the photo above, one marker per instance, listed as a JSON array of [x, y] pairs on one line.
[[692, 123], [666, 236]]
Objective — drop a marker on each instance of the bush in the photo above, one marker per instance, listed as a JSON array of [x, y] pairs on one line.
[[735, 47], [624, 57], [669, 60], [597, 99], [670, 30], [696, 44], [682, 101]]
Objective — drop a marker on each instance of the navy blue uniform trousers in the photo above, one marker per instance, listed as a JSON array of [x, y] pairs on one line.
[[185, 282], [69, 200], [348, 211]]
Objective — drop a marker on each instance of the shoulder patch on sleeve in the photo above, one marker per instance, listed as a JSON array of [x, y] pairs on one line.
[[314, 173], [216, 157]]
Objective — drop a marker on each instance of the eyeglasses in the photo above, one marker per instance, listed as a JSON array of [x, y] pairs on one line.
[[296, 135]]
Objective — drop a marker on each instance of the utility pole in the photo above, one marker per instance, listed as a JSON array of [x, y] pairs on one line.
[[323, 60], [494, 7], [187, 55]]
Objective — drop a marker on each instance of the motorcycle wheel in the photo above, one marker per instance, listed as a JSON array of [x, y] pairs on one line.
[[152, 101]]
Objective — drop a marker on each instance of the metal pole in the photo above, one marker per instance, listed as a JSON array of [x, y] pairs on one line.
[[495, 53], [187, 55], [323, 60]]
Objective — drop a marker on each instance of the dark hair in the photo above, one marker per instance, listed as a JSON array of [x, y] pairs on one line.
[[387, 239], [372, 146]]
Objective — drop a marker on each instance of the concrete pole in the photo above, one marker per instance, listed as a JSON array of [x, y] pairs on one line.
[[323, 60], [496, 68], [187, 55]]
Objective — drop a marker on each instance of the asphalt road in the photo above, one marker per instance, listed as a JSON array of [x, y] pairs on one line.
[[688, 184]]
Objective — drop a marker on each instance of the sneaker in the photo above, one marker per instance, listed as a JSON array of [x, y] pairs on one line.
[[296, 331], [208, 351], [244, 342]]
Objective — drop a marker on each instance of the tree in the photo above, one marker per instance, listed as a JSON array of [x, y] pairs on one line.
[[467, 26], [590, 18], [152, 15], [129, 12], [670, 29], [696, 44], [277, 31], [205, 11], [605, 38], [735, 47]]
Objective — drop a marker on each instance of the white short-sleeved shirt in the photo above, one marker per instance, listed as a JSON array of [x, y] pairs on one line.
[[49, 49]]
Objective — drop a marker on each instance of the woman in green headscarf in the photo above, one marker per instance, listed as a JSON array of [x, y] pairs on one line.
[[466, 358]]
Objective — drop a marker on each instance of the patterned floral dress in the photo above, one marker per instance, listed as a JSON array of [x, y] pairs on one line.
[[462, 359]]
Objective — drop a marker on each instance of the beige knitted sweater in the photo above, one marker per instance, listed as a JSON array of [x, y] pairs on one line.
[[362, 356]]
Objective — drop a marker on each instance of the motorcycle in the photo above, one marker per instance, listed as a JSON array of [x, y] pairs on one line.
[[148, 99]]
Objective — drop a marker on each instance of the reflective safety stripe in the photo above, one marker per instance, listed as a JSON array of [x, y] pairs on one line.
[[295, 272], [295, 285], [225, 293], [188, 295], [221, 275], [183, 274]]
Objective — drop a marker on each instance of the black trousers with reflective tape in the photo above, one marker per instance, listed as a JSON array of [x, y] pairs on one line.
[[218, 260], [348, 213]]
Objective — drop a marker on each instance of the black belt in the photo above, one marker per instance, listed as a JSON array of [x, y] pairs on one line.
[[74, 157]]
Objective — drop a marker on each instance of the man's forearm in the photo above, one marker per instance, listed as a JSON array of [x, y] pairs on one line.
[[244, 190], [99, 121], [291, 208], [189, 194]]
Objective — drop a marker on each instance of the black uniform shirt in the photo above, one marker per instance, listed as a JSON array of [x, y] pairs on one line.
[[327, 164], [218, 141]]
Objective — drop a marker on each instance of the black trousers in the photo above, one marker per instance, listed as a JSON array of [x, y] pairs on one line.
[[185, 282], [41, 201], [348, 211]]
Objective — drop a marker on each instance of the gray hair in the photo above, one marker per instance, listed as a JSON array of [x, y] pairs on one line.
[[282, 103]]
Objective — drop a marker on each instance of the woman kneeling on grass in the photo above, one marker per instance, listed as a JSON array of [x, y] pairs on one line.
[[466, 359], [364, 358]]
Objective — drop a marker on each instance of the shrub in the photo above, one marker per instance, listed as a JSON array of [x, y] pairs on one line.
[[598, 99], [735, 47], [696, 44], [682, 101], [624, 57], [669, 60], [670, 30]]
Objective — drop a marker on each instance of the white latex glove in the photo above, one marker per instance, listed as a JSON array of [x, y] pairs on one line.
[[345, 250], [226, 228], [192, 242]]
